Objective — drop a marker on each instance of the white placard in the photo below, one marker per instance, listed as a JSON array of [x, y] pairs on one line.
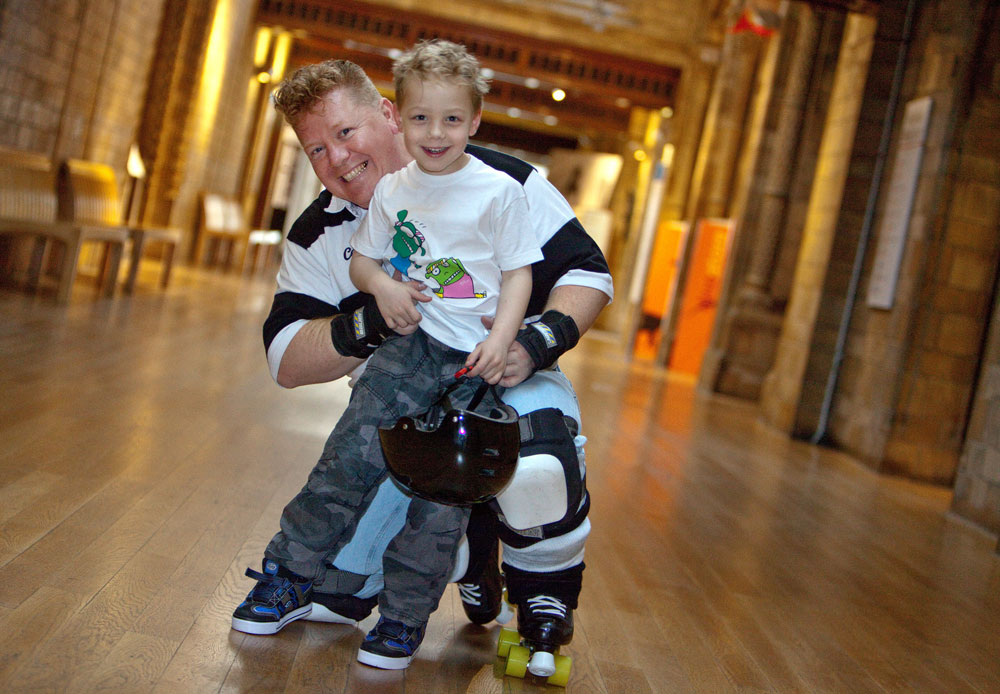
[[899, 204]]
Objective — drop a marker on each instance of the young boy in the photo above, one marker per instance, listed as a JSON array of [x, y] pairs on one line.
[[446, 220]]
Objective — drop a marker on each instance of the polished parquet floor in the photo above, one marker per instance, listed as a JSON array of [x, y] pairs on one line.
[[145, 456]]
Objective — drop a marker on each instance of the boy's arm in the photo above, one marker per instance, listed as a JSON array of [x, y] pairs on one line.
[[488, 360], [515, 290], [395, 299]]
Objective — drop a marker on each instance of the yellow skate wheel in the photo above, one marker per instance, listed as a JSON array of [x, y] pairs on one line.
[[563, 666], [517, 661], [508, 638]]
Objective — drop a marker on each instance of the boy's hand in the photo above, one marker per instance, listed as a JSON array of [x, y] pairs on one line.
[[487, 361], [396, 302]]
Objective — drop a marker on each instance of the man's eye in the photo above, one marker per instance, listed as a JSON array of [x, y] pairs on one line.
[[315, 152], [345, 132]]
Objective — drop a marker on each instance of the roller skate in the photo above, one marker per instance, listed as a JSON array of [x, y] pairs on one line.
[[485, 599], [544, 623]]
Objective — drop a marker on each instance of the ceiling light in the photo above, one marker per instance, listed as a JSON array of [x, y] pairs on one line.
[[558, 95]]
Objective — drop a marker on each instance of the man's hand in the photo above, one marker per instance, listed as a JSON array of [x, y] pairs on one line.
[[519, 365]]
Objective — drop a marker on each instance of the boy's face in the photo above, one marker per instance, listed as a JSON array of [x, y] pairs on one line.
[[437, 120], [351, 145]]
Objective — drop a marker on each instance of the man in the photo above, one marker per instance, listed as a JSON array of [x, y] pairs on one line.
[[321, 329]]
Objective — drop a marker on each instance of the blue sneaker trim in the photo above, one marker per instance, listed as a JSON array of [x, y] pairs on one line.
[[273, 602]]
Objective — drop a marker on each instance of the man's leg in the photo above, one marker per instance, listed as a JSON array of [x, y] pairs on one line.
[[544, 576]]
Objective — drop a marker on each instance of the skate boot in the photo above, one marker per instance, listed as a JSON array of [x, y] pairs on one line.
[[483, 600], [544, 623]]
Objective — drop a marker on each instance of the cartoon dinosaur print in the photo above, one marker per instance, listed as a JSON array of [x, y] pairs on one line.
[[406, 241], [454, 280]]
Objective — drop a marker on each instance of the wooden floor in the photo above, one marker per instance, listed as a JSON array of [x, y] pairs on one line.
[[145, 456]]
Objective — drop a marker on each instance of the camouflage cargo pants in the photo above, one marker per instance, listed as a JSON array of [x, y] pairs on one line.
[[405, 376]]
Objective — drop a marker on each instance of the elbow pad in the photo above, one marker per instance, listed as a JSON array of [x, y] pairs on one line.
[[548, 337]]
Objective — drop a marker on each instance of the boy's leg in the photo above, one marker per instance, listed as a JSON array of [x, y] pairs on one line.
[[322, 517], [417, 563], [419, 559]]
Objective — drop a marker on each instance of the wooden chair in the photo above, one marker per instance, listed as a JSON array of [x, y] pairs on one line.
[[89, 194], [223, 230], [30, 205]]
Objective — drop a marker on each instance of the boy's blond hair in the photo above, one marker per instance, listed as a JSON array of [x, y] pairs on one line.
[[438, 59], [310, 84]]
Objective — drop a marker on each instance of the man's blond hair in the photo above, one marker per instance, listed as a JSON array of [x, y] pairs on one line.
[[307, 86], [442, 60]]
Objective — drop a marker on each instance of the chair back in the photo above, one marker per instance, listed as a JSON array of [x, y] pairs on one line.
[[88, 193], [27, 187]]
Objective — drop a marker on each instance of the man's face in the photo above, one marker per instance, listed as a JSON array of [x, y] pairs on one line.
[[350, 145]]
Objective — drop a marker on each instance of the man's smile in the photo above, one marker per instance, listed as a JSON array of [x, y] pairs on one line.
[[355, 172]]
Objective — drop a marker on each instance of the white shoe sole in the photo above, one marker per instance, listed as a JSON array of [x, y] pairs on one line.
[[268, 628], [384, 662]]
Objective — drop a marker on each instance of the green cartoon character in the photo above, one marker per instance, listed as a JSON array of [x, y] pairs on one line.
[[454, 280], [406, 241]]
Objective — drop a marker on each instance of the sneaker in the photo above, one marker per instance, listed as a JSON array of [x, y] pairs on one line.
[[337, 608], [280, 597], [483, 601], [545, 622], [390, 645]]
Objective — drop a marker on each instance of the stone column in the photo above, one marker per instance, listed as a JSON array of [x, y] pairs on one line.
[[785, 385], [712, 180], [738, 362]]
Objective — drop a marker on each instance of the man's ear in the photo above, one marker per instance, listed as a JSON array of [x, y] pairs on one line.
[[390, 113]]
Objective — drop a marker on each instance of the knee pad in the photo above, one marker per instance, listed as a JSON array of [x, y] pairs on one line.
[[536, 494], [548, 497]]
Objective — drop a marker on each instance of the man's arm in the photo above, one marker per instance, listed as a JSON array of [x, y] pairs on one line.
[[311, 358], [582, 304]]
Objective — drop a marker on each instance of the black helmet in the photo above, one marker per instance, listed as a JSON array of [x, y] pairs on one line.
[[454, 456]]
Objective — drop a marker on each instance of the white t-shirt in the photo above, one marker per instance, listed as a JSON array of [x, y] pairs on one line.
[[456, 233], [313, 281]]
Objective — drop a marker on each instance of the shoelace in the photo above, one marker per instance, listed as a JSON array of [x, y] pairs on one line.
[[545, 604], [471, 593]]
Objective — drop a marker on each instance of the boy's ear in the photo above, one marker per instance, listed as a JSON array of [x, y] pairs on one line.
[[476, 120]]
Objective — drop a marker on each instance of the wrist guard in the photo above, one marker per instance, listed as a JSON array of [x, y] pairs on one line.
[[358, 333], [544, 340]]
